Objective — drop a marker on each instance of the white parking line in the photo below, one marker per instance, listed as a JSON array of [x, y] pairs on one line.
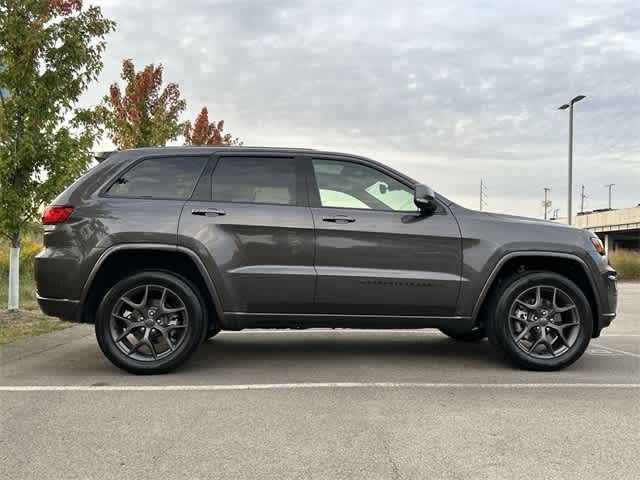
[[318, 385], [623, 352]]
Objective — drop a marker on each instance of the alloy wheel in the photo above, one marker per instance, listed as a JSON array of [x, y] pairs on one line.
[[149, 322], [544, 321]]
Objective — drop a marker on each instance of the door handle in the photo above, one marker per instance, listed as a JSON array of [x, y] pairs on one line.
[[208, 212], [339, 219]]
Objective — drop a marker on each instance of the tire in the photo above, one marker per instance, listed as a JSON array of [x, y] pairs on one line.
[[470, 336], [540, 320], [150, 322]]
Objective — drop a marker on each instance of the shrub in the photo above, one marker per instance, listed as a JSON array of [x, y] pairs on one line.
[[28, 250], [626, 263]]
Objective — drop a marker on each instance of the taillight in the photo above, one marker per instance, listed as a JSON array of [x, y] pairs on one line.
[[56, 214]]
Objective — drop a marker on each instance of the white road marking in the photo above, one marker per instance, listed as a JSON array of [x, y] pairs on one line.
[[623, 352], [293, 386]]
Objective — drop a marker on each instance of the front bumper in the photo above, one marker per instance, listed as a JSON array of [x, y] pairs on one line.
[[609, 300], [59, 307]]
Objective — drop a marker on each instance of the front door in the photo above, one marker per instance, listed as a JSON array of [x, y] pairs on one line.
[[250, 224], [375, 253]]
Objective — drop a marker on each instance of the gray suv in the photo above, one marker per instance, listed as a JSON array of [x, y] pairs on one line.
[[163, 248]]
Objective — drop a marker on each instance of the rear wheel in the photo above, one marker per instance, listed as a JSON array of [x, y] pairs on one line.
[[470, 336], [151, 322], [540, 320]]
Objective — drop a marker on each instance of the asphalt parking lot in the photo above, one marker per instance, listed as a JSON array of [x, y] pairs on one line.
[[323, 404]]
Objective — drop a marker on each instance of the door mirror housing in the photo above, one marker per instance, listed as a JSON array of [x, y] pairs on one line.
[[425, 199]]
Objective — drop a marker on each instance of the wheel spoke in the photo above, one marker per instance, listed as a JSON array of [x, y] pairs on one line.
[[153, 349], [549, 346], [174, 327], [167, 338], [565, 308], [126, 332], [538, 297], [535, 344], [169, 311], [526, 305], [523, 333], [560, 333], [124, 319], [145, 299], [129, 302], [163, 298]]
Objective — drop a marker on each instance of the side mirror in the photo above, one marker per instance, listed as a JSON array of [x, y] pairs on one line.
[[425, 199]]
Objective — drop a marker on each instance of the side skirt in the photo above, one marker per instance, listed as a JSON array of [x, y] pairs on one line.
[[241, 320]]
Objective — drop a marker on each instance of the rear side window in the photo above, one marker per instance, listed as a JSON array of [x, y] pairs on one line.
[[166, 177], [255, 180]]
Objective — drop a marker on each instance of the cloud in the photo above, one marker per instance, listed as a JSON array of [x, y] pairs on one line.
[[448, 93]]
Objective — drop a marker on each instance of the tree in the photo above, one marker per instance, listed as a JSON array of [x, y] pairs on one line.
[[145, 115], [204, 133], [50, 50]]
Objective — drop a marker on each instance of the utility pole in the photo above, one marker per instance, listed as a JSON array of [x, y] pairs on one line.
[[546, 204], [582, 197], [570, 107], [483, 194], [609, 186]]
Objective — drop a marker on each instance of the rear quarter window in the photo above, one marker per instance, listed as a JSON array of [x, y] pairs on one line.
[[161, 177]]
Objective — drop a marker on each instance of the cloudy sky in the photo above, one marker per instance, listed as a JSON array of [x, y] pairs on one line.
[[447, 91]]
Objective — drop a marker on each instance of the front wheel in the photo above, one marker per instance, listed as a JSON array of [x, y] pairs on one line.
[[540, 320], [150, 322]]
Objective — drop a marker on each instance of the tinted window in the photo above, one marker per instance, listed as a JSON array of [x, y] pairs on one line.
[[352, 185], [170, 177], [255, 180]]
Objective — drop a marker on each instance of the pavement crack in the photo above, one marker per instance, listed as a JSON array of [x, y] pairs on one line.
[[395, 471]]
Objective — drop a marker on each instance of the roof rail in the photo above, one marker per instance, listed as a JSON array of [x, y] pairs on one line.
[[102, 156]]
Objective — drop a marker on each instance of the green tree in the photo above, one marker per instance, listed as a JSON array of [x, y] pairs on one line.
[[146, 115], [50, 50]]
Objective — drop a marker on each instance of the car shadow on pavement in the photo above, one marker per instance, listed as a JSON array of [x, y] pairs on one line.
[[335, 349]]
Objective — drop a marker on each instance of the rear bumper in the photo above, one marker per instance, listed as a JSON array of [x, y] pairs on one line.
[[59, 307]]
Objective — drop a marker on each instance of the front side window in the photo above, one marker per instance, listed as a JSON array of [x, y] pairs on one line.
[[255, 180], [352, 185], [166, 177]]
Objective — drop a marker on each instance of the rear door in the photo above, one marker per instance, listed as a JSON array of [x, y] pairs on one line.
[[250, 223], [375, 253]]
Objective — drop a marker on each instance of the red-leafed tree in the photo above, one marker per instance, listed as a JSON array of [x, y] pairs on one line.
[[146, 115], [203, 132]]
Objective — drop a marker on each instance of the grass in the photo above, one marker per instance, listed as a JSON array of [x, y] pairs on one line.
[[19, 324], [29, 320], [626, 263]]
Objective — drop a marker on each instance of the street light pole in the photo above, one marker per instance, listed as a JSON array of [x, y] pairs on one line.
[[570, 194], [609, 186]]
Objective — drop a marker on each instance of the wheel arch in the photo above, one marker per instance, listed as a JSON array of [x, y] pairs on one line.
[[171, 258], [566, 264]]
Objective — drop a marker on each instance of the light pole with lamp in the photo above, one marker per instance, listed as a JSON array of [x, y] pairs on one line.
[[570, 107]]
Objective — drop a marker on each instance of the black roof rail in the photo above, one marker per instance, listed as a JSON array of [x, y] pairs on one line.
[[102, 156]]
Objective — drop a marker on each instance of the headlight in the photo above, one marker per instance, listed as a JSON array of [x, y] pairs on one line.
[[597, 243]]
